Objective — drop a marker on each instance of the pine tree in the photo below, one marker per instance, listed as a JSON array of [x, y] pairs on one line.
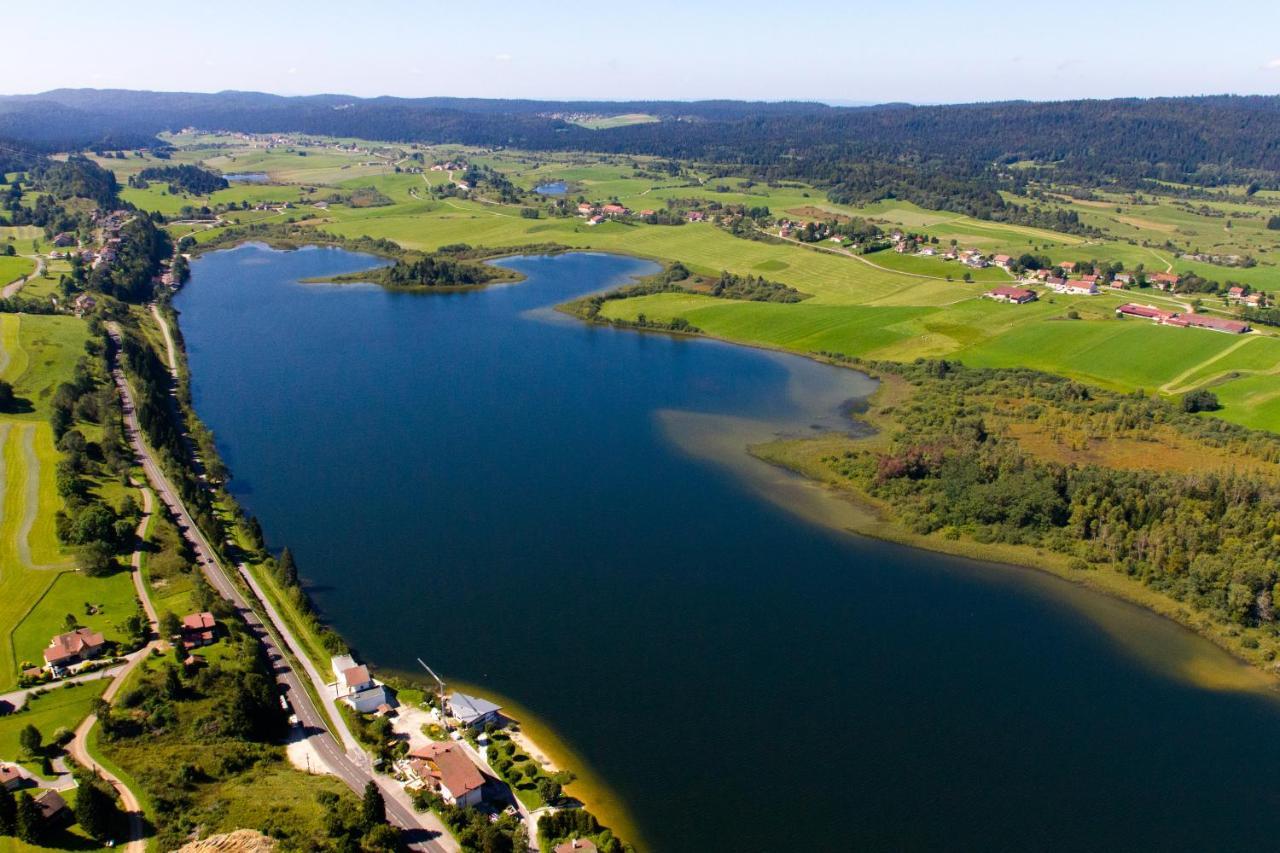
[[288, 569], [95, 808], [8, 812], [373, 810], [28, 822]]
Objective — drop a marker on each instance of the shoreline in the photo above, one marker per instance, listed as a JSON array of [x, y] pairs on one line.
[[874, 520], [589, 788]]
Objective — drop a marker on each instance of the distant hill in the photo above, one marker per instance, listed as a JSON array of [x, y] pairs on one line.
[[1200, 139]]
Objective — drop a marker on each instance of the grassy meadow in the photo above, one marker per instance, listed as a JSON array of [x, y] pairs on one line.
[[879, 306], [38, 585]]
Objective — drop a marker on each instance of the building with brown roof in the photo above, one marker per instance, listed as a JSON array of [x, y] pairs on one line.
[[447, 769], [53, 808], [11, 778], [1007, 293], [577, 845], [73, 647], [198, 629]]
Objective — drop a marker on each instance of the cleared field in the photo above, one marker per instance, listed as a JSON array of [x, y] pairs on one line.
[[606, 122], [61, 707]]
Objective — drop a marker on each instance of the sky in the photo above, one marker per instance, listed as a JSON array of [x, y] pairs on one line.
[[850, 51]]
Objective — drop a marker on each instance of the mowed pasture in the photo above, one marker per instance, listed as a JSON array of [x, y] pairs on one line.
[[38, 584]]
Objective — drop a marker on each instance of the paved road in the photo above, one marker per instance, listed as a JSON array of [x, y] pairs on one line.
[[422, 830]]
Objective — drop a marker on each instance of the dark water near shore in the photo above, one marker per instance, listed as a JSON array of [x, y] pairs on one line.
[[563, 512]]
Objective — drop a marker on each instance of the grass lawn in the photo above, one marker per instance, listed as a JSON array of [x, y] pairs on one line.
[[98, 603], [37, 588], [60, 708], [14, 268]]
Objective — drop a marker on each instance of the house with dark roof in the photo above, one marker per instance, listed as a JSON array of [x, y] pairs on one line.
[[53, 808]]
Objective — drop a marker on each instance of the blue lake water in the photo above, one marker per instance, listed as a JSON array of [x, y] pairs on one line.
[[249, 178], [566, 514], [554, 188]]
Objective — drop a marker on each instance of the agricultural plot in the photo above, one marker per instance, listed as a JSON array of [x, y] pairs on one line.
[[880, 306], [38, 588]]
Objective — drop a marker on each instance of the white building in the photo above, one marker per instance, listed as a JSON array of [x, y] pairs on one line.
[[354, 685]]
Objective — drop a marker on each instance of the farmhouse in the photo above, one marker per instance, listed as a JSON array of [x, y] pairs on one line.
[[198, 629], [1163, 280], [447, 769], [73, 647], [11, 778], [1074, 287], [1016, 295], [648, 213], [595, 220], [1148, 312], [614, 210], [53, 809], [586, 209], [1002, 261], [1068, 266], [472, 710], [696, 216], [1197, 321], [1123, 277], [1206, 321], [64, 239]]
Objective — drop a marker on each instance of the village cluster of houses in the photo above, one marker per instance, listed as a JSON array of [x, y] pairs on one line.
[[595, 214]]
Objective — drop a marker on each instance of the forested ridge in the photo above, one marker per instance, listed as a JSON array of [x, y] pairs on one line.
[[1205, 138]]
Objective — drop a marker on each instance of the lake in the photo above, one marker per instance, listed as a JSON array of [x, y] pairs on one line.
[[249, 177], [565, 515], [553, 188]]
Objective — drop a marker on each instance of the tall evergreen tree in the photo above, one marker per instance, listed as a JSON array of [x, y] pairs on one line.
[[373, 810], [8, 812], [28, 822]]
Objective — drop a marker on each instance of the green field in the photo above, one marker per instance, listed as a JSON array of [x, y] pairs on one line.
[[59, 708], [879, 306], [37, 587], [15, 267]]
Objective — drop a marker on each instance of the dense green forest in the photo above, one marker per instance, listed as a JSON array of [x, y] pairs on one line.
[[1209, 536], [185, 178]]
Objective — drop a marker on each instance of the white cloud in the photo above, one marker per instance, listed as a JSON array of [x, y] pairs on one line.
[[1273, 65], [503, 57]]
